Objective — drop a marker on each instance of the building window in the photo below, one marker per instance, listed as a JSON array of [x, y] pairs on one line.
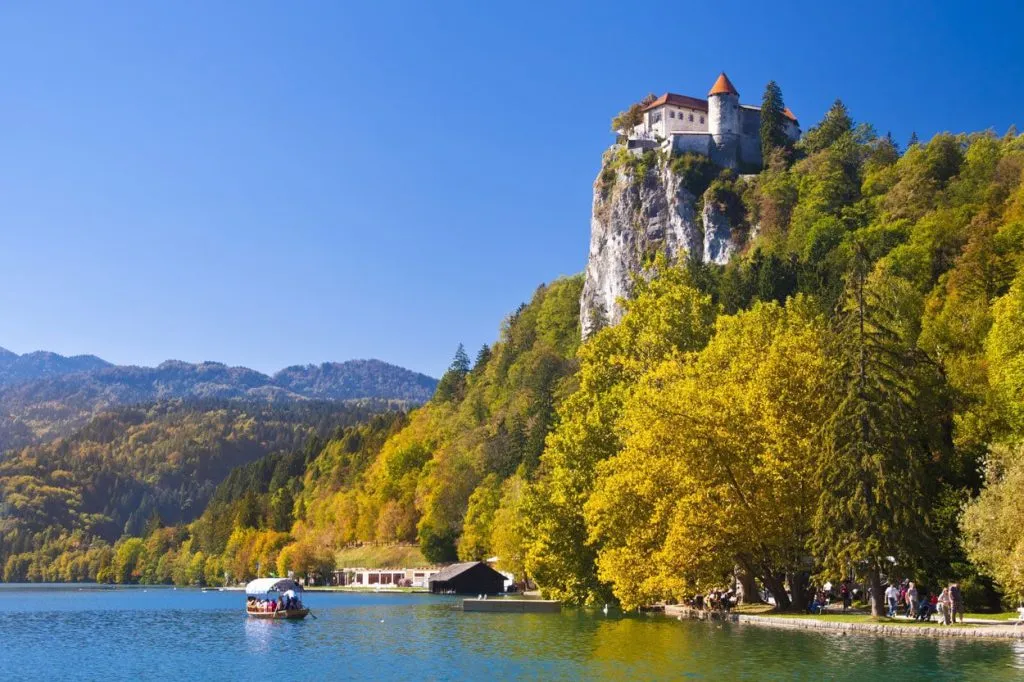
[[701, 119], [671, 114], [691, 118]]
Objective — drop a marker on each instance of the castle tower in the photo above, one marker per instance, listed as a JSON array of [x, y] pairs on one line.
[[724, 121]]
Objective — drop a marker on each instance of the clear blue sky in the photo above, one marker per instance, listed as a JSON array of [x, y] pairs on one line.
[[271, 183]]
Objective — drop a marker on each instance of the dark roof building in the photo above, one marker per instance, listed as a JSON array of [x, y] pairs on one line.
[[472, 577]]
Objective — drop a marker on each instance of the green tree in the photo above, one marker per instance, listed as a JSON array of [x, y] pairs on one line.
[[281, 505], [836, 123], [631, 117], [475, 541], [992, 523], [482, 357], [452, 385], [773, 131], [879, 442]]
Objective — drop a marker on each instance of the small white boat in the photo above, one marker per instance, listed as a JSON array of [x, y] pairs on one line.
[[275, 599]]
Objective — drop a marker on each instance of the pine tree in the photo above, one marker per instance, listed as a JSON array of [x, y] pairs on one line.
[[880, 438], [891, 142], [482, 356], [773, 133], [452, 385], [913, 141], [836, 123], [460, 363]]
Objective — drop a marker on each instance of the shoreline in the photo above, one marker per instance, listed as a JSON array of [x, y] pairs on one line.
[[989, 631]]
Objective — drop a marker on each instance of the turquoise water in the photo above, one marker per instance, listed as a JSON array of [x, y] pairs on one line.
[[163, 634]]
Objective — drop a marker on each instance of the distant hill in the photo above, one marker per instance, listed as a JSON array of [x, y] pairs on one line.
[[165, 459], [16, 368], [43, 395]]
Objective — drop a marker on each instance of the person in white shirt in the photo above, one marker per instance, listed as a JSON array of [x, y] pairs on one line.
[[892, 596]]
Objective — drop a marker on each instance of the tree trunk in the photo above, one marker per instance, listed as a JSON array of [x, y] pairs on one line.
[[877, 597], [748, 587], [776, 585], [798, 586]]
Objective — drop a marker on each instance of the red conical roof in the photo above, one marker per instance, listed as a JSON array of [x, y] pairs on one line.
[[723, 86]]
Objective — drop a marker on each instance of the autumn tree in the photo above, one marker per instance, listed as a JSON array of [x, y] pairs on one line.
[[718, 464], [632, 117], [666, 318]]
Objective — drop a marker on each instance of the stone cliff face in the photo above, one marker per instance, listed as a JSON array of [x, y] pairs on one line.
[[634, 219]]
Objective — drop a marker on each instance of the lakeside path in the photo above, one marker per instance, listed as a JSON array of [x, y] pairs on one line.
[[974, 627]]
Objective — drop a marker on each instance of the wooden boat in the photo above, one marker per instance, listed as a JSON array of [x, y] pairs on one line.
[[285, 614], [276, 590]]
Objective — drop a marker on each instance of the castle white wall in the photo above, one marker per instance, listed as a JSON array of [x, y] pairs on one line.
[[694, 142], [668, 119], [728, 132], [724, 114]]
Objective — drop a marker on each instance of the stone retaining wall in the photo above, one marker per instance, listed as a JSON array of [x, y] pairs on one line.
[[1000, 631]]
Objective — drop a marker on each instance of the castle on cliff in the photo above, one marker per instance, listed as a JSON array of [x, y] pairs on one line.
[[718, 127]]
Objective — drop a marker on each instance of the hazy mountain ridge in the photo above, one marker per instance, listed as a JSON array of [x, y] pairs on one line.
[[45, 394], [16, 368]]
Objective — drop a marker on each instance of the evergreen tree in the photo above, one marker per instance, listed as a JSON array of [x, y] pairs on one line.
[[890, 142], [281, 505], [836, 123], [460, 363], [881, 437], [482, 356], [453, 383], [773, 133], [913, 141]]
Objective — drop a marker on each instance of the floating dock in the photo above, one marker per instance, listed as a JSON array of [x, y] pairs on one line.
[[500, 605]]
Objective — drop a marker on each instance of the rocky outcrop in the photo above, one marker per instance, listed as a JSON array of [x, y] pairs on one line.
[[637, 214]]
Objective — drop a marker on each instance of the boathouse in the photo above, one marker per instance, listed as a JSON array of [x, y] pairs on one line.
[[472, 577]]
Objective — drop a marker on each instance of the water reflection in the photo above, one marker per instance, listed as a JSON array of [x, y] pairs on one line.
[[185, 634]]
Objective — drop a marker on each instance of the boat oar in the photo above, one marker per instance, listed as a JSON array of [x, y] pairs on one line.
[[314, 615]]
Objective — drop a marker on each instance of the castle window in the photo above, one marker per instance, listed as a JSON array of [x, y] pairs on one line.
[[701, 119], [691, 118], [671, 114]]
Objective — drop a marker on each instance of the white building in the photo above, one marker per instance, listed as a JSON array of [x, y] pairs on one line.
[[718, 127], [384, 577]]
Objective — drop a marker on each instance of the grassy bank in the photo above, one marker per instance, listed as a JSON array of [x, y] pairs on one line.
[[380, 556]]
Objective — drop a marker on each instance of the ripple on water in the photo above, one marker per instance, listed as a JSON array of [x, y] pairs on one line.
[[186, 634]]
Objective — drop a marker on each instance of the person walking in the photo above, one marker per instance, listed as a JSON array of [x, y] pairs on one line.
[[957, 601], [945, 606], [892, 595], [911, 601], [844, 593]]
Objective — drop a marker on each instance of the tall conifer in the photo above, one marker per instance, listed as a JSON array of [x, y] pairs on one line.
[[773, 133]]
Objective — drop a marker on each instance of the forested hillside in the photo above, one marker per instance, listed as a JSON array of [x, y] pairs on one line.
[[844, 397], [44, 395], [821, 406], [139, 466], [439, 476]]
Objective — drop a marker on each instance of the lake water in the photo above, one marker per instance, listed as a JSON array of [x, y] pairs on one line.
[[70, 633]]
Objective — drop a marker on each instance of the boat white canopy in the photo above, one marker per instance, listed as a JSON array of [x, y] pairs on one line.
[[265, 585]]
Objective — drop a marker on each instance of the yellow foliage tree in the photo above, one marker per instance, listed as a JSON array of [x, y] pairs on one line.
[[718, 462]]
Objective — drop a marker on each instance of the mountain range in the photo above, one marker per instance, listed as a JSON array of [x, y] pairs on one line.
[[45, 394]]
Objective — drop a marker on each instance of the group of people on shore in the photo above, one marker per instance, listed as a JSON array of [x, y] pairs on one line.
[[907, 599], [714, 600], [823, 597], [285, 602]]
